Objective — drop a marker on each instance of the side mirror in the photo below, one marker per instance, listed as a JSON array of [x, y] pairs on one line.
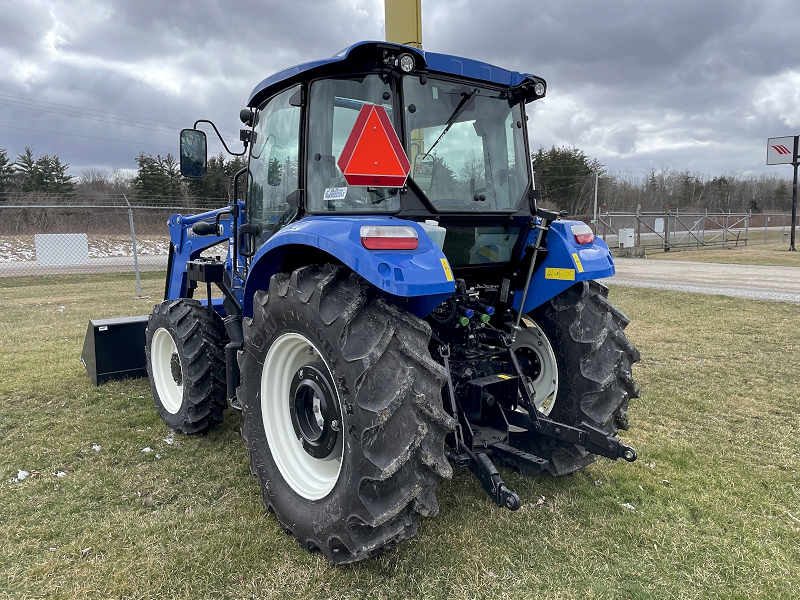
[[423, 171], [194, 158]]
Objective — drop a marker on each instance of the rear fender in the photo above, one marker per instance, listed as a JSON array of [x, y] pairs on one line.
[[421, 276], [565, 263]]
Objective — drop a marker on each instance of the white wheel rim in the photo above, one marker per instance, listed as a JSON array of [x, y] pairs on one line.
[[162, 351], [546, 384], [312, 478]]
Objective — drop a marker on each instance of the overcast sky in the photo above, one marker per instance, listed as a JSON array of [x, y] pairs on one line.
[[695, 85]]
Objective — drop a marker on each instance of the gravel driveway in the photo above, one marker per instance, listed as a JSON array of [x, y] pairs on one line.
[[742, 281]]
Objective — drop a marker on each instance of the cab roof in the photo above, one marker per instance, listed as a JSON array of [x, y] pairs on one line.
[[371, 56]]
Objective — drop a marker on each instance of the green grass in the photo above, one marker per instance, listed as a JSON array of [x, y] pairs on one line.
[[715, 489]]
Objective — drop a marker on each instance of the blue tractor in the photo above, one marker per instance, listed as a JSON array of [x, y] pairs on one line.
[[380, 316]]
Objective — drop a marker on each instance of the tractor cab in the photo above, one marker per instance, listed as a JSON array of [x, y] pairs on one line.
[[459, 123]]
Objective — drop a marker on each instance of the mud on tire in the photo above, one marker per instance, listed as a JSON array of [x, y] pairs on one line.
[[594, 363], [383, 393], [186, 365]]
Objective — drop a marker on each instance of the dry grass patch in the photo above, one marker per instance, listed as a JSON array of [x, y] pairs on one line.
[[775, 253]]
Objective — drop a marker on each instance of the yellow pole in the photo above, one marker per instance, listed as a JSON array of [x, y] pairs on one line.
[[404, 26], [404, 22]]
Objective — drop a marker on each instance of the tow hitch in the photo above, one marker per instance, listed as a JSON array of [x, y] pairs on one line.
[[477, 445]]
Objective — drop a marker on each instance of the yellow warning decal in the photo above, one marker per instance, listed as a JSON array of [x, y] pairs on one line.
[[577, 262], [563, 274], [447, 272], [501, 376]]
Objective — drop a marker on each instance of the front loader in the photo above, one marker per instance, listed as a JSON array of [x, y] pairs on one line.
[[387, 300]]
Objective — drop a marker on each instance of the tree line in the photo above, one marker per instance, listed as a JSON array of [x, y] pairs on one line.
[[565, 176], [31, 174], [157, 180]]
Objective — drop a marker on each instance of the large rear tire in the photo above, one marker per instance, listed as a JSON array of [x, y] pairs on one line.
[[186, 365], [594, 360], [342, 412]]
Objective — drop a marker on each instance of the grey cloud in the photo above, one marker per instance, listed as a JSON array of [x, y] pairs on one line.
[[622, 74], [23, 25]]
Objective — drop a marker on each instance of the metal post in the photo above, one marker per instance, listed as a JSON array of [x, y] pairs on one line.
[[794, 194], [724, 230], [747, 226], [638, 224], [595, 202], [404, 22], [704, 226], [766, 222], [133, 241]]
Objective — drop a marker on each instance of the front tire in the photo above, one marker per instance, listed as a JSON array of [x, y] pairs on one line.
[[186, 365], [342, 412]]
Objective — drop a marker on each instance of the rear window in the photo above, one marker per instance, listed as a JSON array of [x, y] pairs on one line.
[[484, 245]]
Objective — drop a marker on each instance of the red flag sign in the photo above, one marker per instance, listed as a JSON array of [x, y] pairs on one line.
[[373, 155]]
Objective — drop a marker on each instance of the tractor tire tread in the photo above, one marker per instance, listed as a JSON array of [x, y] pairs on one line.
[[387, 385], [594, 349], [199, 341]]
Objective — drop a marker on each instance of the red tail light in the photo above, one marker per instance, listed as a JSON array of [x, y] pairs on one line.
[[582, 233], [389, 237]]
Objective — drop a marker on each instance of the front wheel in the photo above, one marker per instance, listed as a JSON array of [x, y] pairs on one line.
[[186, 365], [342, 412]]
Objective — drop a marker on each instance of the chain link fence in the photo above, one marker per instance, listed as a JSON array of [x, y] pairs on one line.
[[78, 239], [82, 238], [676, 229]]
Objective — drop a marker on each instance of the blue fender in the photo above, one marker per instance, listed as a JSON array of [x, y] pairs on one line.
[[565, 263], [423, 276]]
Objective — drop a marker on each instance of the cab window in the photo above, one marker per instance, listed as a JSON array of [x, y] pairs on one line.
[[333, 108], [274, 163]]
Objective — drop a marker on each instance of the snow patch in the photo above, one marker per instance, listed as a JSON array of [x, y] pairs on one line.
[[21, 476]]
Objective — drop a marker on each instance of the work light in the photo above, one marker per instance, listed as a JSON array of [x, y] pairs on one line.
[[407, 63]]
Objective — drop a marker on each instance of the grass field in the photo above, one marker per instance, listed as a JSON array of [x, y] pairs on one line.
[[775, 253], [710, 510]]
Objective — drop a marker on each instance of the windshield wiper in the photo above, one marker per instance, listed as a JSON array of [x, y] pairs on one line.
[[456, 113]]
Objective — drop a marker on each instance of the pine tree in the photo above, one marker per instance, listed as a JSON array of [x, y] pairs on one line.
[[157, 179], [566, 177], [217, 185], [6, 172], [25, 167], [444, 183], [172, 171], [59, 181], [44, 174]]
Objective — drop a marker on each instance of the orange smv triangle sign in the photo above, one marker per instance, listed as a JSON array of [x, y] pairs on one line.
[[373, 155]]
